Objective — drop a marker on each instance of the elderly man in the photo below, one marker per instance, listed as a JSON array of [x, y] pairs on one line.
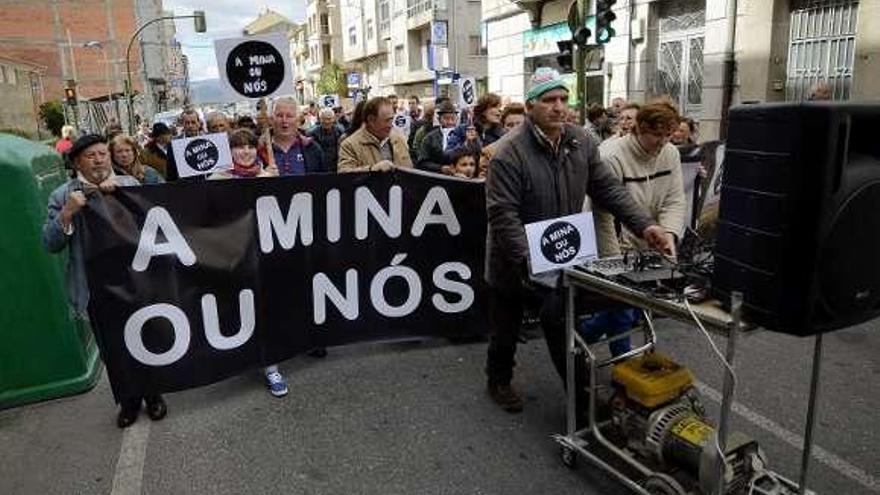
[[374, 146], [327, 134], [433, 154], [217, 122], [94, 175], [294, 152], [542, 171], [821, 91]]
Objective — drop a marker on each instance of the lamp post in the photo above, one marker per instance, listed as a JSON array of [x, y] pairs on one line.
[[198, 17], [97, 45]]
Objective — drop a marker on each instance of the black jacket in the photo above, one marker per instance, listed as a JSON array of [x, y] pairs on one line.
[[329, 142], [431, 156], [528, 182]]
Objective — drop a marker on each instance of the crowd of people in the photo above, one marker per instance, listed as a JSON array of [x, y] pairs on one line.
[[537, 162]]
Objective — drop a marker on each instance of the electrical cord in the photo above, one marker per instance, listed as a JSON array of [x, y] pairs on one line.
[[720, 358]]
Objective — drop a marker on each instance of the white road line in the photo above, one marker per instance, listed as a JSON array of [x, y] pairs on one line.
[[129, 473], [830, 459]]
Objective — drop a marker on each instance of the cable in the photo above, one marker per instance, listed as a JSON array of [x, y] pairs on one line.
[[720, 358]]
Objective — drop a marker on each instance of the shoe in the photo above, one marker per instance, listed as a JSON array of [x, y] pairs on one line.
[[506, 397], [318, 352], [156, 407], [277, 384], [128, 414]]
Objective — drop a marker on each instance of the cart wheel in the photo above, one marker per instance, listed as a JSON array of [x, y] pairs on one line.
[[569, 457], [662, 484]]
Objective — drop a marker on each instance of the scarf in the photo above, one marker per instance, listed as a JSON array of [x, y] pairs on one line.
[[239, 170]]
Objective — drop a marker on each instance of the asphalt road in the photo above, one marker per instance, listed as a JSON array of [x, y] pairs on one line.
[[414, 418]]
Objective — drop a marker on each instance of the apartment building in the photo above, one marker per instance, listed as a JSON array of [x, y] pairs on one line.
[[675, 48], [413, 46]]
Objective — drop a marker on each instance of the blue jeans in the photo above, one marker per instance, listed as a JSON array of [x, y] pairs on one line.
[[610, 323]]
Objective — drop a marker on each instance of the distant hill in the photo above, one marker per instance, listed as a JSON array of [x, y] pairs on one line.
[[206, 91]]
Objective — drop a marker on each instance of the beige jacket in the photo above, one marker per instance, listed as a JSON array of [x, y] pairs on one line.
[[360, 151], [653, 181]]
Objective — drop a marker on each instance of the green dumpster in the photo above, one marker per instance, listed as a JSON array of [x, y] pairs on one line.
[[45, 351]]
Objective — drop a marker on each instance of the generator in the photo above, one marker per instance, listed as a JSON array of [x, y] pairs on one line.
[[656, 413]]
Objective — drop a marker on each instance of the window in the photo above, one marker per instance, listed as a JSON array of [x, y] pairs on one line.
[[325, 24], [475, 46], [821, 47], [11, 76], [384, 16], [398, 55], [352, 36], [680, 55], [369, 29], [328, 56]]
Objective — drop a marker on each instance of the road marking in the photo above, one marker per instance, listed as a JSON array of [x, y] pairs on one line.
[[830, 459], [129, 473]]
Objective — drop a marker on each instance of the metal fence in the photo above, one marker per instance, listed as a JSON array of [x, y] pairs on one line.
[[822, 42]]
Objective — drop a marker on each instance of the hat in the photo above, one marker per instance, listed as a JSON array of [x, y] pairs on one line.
[[543, 80], [160, 129], [82, 143], [445, 106]]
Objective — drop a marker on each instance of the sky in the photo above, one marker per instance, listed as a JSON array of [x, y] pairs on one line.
[[224, 19]]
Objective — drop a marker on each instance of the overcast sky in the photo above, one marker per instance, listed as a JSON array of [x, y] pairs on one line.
[[225, 19]]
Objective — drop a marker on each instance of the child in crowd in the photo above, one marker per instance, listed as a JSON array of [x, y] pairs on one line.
[[464, 164]]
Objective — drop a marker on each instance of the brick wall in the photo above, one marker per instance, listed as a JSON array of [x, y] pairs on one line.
[[29, 33]]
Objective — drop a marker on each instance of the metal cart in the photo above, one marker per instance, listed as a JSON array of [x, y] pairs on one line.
[[589, 441]]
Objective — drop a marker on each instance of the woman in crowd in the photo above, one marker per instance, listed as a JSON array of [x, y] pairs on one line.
[[487, 123], [125, 154]]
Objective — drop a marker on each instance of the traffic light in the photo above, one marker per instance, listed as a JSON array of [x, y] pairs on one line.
[[582, 36], [70, 92], [604, 17], [565, 59]]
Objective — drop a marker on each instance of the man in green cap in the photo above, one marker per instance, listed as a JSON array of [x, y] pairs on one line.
[[543, 171]]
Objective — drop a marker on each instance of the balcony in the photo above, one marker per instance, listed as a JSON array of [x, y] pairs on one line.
[[421, 12]]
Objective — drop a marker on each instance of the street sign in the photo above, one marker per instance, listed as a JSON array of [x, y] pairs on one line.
[[254, 67], [353, 79], [439, 33]]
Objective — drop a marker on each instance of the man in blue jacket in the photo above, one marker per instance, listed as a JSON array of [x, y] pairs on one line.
[[294, 152], [93, 175]]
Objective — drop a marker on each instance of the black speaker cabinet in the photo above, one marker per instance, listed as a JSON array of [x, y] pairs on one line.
[[799, 222]]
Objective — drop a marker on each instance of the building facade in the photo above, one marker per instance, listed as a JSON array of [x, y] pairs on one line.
[[413, 47], [676, 49], [21, 93]]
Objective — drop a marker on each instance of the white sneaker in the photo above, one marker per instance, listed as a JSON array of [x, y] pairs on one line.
[[277, 384]]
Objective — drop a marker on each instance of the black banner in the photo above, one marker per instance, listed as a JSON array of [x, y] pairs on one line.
[[194, 282]]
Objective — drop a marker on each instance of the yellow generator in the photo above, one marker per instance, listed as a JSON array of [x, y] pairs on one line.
[[657, 415]]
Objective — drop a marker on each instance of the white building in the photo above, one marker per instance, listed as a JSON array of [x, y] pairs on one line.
[[675, 48], [392, 44]]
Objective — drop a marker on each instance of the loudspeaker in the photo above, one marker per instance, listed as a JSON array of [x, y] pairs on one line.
[[799, 221]]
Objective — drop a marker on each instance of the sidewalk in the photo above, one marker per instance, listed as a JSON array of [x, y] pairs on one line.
[[404, 418]]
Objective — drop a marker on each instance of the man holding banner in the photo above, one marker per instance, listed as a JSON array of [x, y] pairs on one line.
[[64, 229], [543, 171]]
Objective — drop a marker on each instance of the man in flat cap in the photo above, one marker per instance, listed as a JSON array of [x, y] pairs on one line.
[[93, 174]]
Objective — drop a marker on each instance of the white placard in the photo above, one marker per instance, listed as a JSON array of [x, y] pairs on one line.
[[561, 242], [202, 155], [403, 122], [329, 101], [467, 92], [254, 67]]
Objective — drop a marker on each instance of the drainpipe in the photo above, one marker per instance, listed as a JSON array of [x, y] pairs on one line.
[[729, 67]]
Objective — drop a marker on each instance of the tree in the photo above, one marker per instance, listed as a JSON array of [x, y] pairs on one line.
[[331, 81], [53, 116]]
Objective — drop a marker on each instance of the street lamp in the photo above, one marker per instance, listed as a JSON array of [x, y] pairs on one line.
[[198, 17], [97, 45]]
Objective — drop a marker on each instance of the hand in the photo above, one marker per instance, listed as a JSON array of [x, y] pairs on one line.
[[659, 239], [75, 202], [270, 171], [383, 166], [108, 186], [702, 172]]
